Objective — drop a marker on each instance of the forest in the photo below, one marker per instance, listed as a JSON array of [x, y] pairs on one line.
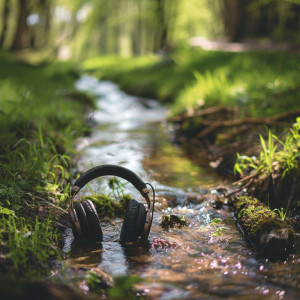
[[189, 107]]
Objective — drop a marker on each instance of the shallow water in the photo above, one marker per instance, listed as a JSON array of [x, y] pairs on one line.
[[188, 262]]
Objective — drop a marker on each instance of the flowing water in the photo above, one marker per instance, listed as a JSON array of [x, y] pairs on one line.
[[197, 261]]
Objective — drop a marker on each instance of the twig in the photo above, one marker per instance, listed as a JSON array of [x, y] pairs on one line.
[[241, 188], [245, 178], [50, 203], [200, 113]]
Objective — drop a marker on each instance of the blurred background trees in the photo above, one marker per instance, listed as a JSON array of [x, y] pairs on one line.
[[77, 28]]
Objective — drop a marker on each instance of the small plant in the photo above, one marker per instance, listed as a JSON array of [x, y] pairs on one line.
[[244, 163], [281, 213], [218, 229], [267, 156], [124, 288], [92, 280], [6, 211], [277, 169], [117, 187]]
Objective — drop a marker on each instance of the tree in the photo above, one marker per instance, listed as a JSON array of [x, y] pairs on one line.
[[5, 23], [21, 38], [260, 18]]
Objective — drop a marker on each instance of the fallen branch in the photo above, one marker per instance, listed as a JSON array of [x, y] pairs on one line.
[[245, 178], [199, 113], [272, 121]]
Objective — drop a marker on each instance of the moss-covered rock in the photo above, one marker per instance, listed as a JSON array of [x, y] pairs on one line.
[[106, 206], [172, 221], [270, 235]]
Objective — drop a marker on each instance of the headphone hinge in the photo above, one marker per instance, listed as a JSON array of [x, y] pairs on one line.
[[145, 191], [75, 189]]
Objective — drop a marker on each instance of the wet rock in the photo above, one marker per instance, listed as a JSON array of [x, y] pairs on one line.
[[193, 198], [172, 221], [281, 238], [218, 202]]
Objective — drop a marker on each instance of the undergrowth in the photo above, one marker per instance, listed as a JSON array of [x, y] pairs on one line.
[[258, 83], [30, 246], [276, 170], [40, 117]]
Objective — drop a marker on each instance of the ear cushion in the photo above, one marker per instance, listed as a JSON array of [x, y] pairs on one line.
[[82, 221], [134, 222], [94, 228]]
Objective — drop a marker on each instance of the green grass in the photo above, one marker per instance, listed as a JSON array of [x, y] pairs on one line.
[[40, 117], [258, 83], [277, 169], [29, 246]]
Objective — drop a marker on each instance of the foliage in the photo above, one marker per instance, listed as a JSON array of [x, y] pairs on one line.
[[83, 28], [29, 246], [273, 159], [106, 206], [267, 156], [279, 159], [38, 125], [123, 288], [258, 84], [281, 213], [215, 223], [92, 280], [244, 162], [117, 187]]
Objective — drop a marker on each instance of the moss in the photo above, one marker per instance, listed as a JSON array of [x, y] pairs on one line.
[[106, 206], [258, 220], [172, 221]]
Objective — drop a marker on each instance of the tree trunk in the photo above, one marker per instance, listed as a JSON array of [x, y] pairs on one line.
[[21, 39], [5, 21]]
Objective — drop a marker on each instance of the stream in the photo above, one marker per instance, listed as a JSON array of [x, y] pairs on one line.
[[197, 261]]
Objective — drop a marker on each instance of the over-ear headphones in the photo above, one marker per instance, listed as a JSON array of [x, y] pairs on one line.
[[138, 218]]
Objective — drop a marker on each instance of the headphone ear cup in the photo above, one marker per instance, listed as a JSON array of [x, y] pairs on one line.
[[134, 222], [94, 228], [82, 221], [75, 224]]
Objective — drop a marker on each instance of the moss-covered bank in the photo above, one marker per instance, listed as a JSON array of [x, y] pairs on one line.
[[269, 234]]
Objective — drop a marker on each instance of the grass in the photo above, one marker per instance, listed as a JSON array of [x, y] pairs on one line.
[[29, 246], [258, 83], [277, 168], [40, 118]]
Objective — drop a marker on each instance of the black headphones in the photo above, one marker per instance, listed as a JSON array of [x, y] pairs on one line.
[[138, 218]]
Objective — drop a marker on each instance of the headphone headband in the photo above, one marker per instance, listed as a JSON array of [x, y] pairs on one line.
[[105, 170]]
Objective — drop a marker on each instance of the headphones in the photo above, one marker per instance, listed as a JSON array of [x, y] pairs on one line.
[[138, 218]]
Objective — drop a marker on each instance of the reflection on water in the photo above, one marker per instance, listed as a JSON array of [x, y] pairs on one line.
[[191, 262]]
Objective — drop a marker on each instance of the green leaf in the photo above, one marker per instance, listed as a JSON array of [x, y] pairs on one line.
[[215, 221], [6, 211]]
